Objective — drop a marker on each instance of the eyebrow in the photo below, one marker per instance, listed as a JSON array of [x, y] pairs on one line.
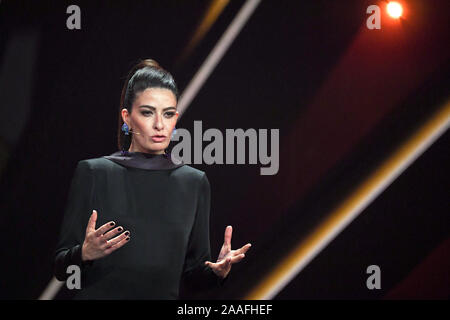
[[153, 108]]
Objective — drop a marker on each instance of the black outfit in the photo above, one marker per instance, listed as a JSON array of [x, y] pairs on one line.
[[164, 205]]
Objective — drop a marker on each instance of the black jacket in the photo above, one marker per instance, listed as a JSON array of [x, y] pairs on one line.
[[167, 213]]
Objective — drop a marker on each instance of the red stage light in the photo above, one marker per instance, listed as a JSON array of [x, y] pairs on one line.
[[394, 9]]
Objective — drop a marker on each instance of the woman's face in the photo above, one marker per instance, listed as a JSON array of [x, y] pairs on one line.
[[153, 116]]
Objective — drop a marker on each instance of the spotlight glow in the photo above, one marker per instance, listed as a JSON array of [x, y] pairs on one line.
[[394, 9]]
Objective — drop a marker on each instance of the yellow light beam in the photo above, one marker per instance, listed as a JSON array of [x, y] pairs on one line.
[[212, 13], [216, 54], [350, 208]]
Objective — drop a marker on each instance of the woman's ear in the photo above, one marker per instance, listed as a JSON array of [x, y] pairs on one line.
[[125, 116]]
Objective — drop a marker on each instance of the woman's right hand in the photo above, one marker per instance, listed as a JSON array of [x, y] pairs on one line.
[[101, 242]]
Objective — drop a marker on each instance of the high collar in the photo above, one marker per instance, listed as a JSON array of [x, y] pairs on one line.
[[145, 161]]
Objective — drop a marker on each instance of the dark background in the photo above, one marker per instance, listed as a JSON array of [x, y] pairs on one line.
[[343, 97]]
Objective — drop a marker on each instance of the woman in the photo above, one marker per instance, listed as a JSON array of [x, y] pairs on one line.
[[137, 224]]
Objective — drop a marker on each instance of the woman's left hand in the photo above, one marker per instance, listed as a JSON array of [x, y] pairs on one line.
[[227, 256]]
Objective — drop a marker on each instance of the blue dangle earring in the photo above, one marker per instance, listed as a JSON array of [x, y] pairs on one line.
[[126, 131]]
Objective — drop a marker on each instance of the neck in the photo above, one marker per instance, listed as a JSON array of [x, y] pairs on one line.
[[133, 149]]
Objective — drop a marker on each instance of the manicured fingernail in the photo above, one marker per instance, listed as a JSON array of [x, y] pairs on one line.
[[128, 238], [112, 223], [119, 229], [127, 233]]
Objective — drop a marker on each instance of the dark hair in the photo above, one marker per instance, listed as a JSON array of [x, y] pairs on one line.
[[145, 74]]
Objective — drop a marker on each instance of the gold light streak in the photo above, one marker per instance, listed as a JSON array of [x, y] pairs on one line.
[[214, 10], [349, 209]]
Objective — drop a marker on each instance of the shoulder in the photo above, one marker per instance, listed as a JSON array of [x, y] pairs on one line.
[[96, 164], [192, 179], [187, 171], [191, 176], [184, 172], [98, 167]]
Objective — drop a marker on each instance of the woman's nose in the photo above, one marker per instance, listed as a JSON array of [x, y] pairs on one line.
[[158, 122]]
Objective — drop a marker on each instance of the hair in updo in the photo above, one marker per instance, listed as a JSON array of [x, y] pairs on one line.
[[145, 74]]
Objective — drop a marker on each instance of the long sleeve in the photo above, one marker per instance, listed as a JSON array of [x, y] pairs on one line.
[[197, 276], [76, 216]]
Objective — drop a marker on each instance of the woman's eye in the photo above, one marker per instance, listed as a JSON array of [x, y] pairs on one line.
[[169, 114], [146, 113]]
